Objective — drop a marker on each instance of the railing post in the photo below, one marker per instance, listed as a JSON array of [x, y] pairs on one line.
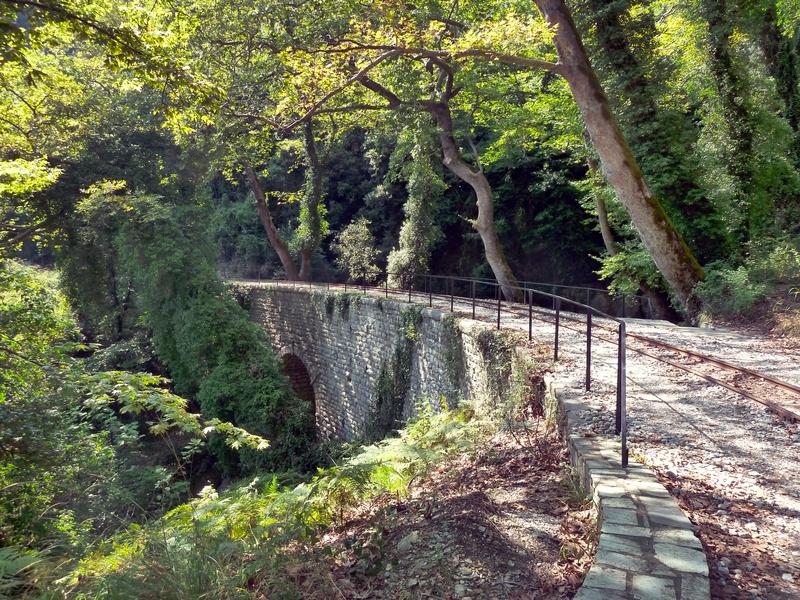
[[558, 323], [530, 316], [386, 286], [618, 409], [622, 395], [588, 297], [554, 300], [498, 305], [452, 285], [430, 291], [473, 299], [588, 350]]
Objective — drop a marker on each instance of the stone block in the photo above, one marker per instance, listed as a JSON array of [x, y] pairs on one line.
[[627, 562], [628, 530], [586, 593], [605, 578], [619, 503], [680, 558], [694, 587], [647, 587], [619, 544], [620, 516], [669, 518], [679, 537]]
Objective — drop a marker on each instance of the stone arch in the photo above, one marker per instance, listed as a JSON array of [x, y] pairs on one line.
[[295, 369]]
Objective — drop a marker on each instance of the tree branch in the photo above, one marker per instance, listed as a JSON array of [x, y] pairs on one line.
[[350, 81]]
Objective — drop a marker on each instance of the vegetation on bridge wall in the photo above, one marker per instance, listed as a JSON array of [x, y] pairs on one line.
[[394, 380]]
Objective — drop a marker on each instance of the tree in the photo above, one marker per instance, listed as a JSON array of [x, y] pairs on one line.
[[362, 55], [356, 253]]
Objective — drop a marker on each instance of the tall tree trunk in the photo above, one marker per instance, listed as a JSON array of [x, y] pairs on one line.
[[484, 224], [660, 138], [733, 93], [311, 223], [783, 64], [273, 236], [673, 258], [605, 226]]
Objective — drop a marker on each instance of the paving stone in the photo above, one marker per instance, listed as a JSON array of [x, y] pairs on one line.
[[680, 558], [628, 562], [616, 543], [652, 488], [671, 518], [620, 516], [694, 587], [587, 593], [631, 530], [610, 490], [605, 578], [646, 587], [619, 503]]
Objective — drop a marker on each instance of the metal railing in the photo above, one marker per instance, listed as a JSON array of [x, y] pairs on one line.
[[476, 297]]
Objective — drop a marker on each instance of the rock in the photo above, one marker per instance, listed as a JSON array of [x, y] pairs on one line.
[[723, 570], [788, 577], [404, 545], [459, 590], [751, 526], [411, 583]]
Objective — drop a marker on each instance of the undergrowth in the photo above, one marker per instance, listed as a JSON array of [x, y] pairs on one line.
[[225, 545]]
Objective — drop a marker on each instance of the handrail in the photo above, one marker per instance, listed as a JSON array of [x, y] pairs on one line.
[[621, 427]]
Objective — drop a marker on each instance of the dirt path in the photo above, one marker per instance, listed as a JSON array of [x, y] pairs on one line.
[[495, 523]]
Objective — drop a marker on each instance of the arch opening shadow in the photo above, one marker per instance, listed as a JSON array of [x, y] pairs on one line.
[[296, 371]]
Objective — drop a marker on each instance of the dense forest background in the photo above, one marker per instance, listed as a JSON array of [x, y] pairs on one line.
[[148, 151]]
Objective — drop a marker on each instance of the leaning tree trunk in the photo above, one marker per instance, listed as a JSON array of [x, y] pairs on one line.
[[274, 237], [658, 303], [673, 258], [484, 224]]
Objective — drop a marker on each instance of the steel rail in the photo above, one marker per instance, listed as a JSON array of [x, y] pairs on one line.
[[718, 361]]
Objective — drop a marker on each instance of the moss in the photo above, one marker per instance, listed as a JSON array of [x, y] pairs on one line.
[[330, 304], [394, 379], [343, 306], [243, 294], [453, 353], [497, 349]]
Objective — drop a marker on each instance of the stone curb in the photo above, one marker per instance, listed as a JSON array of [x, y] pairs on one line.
[[647, 548]]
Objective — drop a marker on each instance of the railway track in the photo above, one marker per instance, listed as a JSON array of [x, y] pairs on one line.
[[781, 397]]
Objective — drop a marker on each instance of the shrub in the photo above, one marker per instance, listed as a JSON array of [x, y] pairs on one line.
[[728, 292]]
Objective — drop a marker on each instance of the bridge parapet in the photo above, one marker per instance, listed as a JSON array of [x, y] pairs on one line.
[[371, 360]]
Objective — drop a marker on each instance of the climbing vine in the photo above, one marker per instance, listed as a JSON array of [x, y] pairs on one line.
[[394, 379], [497, 350], [453, 352]]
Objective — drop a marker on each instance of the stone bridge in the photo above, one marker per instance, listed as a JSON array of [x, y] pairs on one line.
[[367, 362]]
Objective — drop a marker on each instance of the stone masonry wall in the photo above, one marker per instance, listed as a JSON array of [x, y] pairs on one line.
[[345, 340]]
